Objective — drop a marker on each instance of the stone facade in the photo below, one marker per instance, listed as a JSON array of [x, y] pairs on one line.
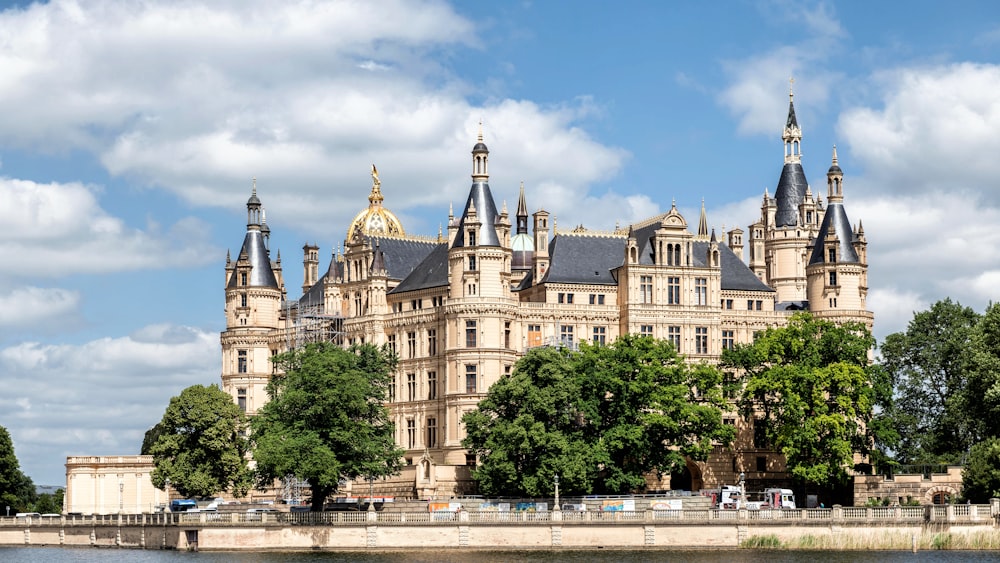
[[111, 485], [931, 486], [460, 309]]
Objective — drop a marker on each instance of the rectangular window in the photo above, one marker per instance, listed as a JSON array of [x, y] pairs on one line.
[[432, 385], [472, 263], [411, 386], [411, 344], [761, 463], [470, 334], [759, 434], [728, 340], [569, 297], [506, 335], [241, 398], [470, 378], [392, 388], [566, 335], [599, 334], [470, 460], [729, 303], [411, 433], [701, 340], [243, 300], [832, 255], [646, 330], [561, 298], [243, 278], [392, 343], [600, 300], [432, 342], [646, 289], [241, 361], [833, 278], [674, 336], [432, 432], [701, 291], [673, 290], [593, 299], [749, 304], [758, 303], [534, 335]]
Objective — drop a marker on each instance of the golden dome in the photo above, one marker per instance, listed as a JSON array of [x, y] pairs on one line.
[[376, 220]]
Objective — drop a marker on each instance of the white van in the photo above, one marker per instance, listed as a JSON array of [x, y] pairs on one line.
[[779, 498]]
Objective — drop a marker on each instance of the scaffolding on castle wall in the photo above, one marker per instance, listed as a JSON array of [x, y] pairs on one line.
[[308, 323]]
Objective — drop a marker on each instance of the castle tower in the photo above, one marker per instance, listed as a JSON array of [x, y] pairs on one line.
[[310, 266], [838, 268], [253, 303], [789, 222]]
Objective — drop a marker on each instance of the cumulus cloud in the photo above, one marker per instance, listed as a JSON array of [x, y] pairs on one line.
[[62, 230], [934, 133], [304, 96], [757, 82], [27, 307], [97, 398]]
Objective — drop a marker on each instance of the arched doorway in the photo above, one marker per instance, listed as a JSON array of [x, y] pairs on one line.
[[687, 479]]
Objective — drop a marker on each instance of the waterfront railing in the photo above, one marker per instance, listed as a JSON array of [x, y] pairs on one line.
[[959, 513]]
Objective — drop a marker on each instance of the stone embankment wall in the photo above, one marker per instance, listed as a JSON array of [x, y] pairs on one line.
[[858, 528]]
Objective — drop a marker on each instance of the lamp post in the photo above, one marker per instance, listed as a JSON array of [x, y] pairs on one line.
[[557, 492], [743, 490], [371, 494]]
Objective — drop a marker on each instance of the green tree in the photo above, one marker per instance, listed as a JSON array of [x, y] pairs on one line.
[[150, 438], [810, 385], [16, 489], [50, 503], [601, 419], [980, 399], [326, 421], [981, 474], [927, 364], [202, 448]]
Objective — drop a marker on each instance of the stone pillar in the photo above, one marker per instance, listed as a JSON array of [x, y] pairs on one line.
[[995, 507], [949, 512]]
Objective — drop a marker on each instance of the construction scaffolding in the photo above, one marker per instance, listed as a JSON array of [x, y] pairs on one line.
[[309, 322]]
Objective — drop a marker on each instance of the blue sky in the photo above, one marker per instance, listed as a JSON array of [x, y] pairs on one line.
[[130, 133]]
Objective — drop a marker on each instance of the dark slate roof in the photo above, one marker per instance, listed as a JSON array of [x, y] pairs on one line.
[[315, 294], [584, 259], [791, 306], [790, 193], [836, 219], [735, 273], [261, 274], [431, 272], [486, 213], [590, 259], [402, 256]]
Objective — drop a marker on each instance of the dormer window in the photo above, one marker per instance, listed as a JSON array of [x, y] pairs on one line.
[[832, 255], [472, 238], [243, 278]]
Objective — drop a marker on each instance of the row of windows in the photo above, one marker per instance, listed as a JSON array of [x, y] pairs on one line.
[[411, 343], [673, 290], [417, 304], [700, 337], [411, 387], [595, 298], [752, 304], [430, 433]]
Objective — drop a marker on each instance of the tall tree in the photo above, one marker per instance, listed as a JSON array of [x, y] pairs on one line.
[[927, 364], [811, 387], [202, 447], [980, 399], [16, 489], [601, 418], [981, 474], [326, 421]]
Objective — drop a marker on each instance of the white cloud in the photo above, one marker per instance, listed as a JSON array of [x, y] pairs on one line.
[[97, 398], [934, 133], [197, 100], [25, 307], [758, 82], [62, 230]]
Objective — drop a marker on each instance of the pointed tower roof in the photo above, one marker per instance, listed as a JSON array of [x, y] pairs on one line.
[[522, 213], [792, 185], [254, 248], [703, 222], [480, 201], [835, 222]]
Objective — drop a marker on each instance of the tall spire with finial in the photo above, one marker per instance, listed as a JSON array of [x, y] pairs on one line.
[[792, 135], [703, 222], [522, 213]]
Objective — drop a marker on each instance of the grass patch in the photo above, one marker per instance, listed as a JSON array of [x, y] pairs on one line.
[[763, 542]]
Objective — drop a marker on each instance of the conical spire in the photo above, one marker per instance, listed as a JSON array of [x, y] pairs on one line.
[[792, 135], [522, 213], [703, 222]]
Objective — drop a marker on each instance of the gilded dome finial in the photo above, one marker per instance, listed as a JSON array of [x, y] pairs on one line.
[[376, 196]]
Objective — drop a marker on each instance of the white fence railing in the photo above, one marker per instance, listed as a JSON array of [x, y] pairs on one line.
[[961, 513]]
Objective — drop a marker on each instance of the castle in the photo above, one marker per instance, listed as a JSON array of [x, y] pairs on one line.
[[459, 309]]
